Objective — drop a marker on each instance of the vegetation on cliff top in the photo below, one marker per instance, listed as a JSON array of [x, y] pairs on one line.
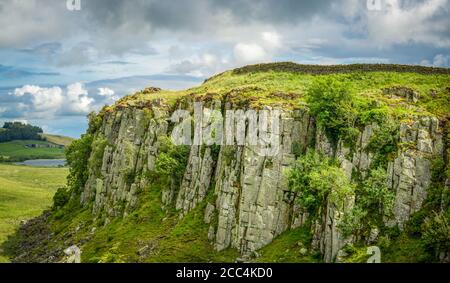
[[281, 85]]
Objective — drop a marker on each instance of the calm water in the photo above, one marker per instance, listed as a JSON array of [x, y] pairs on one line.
[[43, 162]]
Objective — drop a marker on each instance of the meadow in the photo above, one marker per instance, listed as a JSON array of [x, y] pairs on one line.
[[17, 151], [24, 193]]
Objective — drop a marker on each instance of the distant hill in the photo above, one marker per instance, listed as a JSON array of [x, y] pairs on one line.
[[19, 142], [57, 139], [19, 131]]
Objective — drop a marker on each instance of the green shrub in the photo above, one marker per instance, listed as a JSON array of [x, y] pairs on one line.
[[96, 158], [375, 196], [172, 160], [384, 143], [95, 122], [374, 203], [332, 103], [77, 155], [436, 233], [374, 114], [316, 179], [353, 221], [61, 197]]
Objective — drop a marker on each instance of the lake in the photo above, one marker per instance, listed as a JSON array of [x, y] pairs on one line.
[[43, 162]]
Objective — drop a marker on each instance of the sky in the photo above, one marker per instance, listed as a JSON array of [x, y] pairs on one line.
[[60, 60]]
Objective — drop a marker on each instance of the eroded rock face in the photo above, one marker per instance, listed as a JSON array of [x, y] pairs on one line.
[[400, 91], [409, 175], [130, 151], [327, 236], [252, 203], [196, 180]]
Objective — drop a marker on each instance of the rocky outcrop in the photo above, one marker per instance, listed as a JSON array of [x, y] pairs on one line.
[[130, 151], [404, 92], [251, 201], [409, 175], [327, 236], [196, 180]]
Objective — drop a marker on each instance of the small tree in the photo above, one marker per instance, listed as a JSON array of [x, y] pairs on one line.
[[374, 203], [436, 233], [332, 104], [77, 155], [317, 180]]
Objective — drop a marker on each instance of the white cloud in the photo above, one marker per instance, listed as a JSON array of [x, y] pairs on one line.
[[48, 102], [397, 23], [441, 60], [425, 62], [202, 65], [257, 47], [104, 91], [44, 101], [272, 40], [245, 53], [108, 94], [79, 101]]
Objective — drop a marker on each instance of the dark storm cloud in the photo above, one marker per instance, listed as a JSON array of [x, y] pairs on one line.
[[288, 11], [196, 14], [120, 26]]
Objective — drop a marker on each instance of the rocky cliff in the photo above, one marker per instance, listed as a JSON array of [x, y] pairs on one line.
[[244, 196], [253, 203]]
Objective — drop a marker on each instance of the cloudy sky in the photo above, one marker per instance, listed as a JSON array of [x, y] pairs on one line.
[[58, 62]]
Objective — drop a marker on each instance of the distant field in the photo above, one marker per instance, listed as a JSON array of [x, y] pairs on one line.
[[17, 151], [56, 139], [24, 193]]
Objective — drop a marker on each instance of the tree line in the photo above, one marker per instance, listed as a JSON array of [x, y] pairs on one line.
[[19, 131]]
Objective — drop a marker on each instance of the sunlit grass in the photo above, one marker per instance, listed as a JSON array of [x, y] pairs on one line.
[[24, 193]]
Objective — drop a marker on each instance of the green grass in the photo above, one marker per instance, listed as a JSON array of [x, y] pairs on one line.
[[57, 139], [17, 151], [24, 193], [287, 88], [167, 237], [291, 246]]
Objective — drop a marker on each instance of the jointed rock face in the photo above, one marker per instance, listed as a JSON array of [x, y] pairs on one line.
[[253, 203]]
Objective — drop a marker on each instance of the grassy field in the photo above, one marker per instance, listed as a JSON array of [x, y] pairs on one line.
[[17, 151], [56, 139], [24, 193]]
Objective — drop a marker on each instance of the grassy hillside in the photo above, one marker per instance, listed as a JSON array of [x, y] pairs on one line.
[[287, 84], [18, 151], [151, 233], [57, 139], [24, 193]]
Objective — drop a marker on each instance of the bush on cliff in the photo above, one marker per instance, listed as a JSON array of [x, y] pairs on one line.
[[77, 155], [315, 180], [332, 103]]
